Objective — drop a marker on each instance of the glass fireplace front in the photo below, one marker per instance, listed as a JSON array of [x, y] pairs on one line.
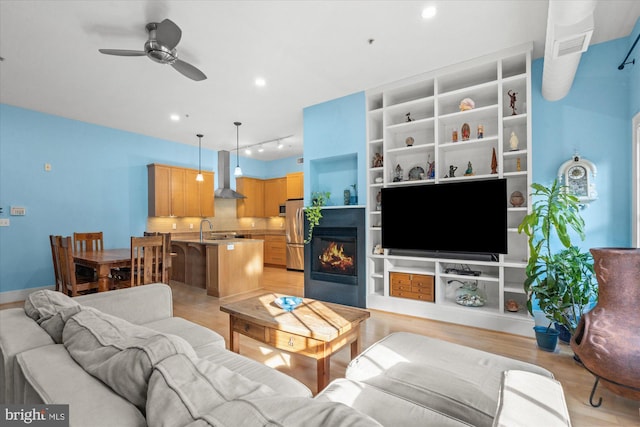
[[334, 255]]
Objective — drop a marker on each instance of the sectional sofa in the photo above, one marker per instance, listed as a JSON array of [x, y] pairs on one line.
[[122, 358]]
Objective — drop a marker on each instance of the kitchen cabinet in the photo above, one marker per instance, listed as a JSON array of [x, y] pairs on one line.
[[275, 250], [295, 185], [275, 194], [174, 191], [253, 203]]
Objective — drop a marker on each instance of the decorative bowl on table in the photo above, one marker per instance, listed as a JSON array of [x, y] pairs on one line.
[[288, 303]]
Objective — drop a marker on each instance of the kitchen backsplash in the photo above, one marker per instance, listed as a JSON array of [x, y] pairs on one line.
[[224, 220]]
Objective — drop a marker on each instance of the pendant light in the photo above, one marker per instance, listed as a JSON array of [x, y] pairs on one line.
[[199, 177], [238, 171]]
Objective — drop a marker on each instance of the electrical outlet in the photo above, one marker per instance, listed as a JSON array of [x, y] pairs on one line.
[[174, 226], [47, 167], [18, 211], [190, 226], [4, 222]]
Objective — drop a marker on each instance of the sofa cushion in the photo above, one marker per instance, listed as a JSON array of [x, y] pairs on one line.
[[450, 378], [53, 377], [200, 338], [192, 392], [51, 310], [119, 353], [283, 384], [384, 407], [530, 400]]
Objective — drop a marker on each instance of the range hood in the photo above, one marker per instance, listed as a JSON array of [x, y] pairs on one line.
[[224, 190]]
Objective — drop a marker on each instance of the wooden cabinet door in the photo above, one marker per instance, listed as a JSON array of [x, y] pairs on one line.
[[178, 177], [253, 203], [159, 186], [295, 185], [207, 207], [191, 193], [275, 194], [275, 251]]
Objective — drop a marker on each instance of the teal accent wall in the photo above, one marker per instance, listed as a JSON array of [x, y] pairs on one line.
[[633, 70], [335, 148], [98, 181]]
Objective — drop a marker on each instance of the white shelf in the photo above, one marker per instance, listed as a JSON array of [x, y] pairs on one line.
[[433, 101]]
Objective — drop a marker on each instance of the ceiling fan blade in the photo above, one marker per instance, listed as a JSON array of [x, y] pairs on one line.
[[122, 52], [168, 33], [188, 70]]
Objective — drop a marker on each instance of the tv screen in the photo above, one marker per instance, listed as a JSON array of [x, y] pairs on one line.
[[459, 217]]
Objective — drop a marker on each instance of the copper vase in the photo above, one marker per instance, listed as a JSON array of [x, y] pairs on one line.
[[607, 339]]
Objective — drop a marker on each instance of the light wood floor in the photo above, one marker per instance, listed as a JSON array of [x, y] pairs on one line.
[[194, 304]]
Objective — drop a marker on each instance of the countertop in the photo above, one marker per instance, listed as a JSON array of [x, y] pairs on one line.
[[218, 241]]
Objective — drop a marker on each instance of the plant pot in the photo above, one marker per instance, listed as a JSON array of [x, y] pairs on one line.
[[564, 334], [547, 338]]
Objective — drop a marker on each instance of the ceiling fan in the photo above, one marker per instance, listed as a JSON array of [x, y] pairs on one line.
[[163, 38]]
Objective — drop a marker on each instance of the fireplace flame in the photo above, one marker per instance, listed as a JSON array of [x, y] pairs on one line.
[[333, 258]]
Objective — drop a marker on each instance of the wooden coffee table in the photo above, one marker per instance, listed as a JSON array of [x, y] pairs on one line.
[[315, 328]]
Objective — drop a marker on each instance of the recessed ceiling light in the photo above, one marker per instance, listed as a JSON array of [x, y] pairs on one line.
[[429, 12], [260, 149], [260, 82], [247, 151], [175, 117]]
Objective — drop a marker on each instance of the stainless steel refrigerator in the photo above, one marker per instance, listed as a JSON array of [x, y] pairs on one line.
[[294, 229]]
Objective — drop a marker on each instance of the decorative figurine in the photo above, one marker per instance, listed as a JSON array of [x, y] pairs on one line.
[[409, 141], [512, 102], [518, 168], [452, 171], [431, 168], [454, 136], [377, 249], [397, 176], [347, 196], [512, 306], [516, 199], [494, 162], [480, 131], [379, 201], [513, 142], [377, 160], [467, 104], [469, 171], [409, 119], [466, 132]]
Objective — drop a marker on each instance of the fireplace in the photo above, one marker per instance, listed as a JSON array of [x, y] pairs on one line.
[[334, 259]]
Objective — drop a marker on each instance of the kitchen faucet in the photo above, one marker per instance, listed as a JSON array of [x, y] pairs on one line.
[[210, 227]]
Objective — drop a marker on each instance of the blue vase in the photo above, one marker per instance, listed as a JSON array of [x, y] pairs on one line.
[[547, 338], [353, 200], [564, 334]]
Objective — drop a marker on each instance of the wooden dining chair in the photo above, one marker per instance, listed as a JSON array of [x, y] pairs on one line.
[[87, 241], [167, 248], [148, 255], [67, 280], [55, 255]]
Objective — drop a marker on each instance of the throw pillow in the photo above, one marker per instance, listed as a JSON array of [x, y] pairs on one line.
[[51, 310], [119, 353]]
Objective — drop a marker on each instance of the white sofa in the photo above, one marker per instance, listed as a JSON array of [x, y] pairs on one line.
[[121, 358]]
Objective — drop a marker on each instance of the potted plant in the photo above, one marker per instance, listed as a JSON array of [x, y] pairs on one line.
[[562, 281], [313, 213]]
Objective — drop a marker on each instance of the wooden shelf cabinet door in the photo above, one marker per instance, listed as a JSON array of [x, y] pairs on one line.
[[253, 203], [295, 185], [275, 250], [174, 191], [412, 286], [275, 194]]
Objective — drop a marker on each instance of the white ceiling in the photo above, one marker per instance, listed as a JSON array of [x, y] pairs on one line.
[[308, 52]]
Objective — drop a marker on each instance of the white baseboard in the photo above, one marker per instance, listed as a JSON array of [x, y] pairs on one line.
[[20, 294]]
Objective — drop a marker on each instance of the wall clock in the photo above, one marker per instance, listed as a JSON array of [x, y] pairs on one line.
[[577, 175]]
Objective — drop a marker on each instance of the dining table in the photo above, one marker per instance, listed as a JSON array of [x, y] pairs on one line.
[[102, 262]]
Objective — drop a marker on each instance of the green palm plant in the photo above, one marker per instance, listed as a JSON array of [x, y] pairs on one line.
[[563, 282]]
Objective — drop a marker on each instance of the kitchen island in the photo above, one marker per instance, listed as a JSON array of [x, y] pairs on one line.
[[225, 267]]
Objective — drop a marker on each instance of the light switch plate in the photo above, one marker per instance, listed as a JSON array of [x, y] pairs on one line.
[[18, 211], [4, 222]]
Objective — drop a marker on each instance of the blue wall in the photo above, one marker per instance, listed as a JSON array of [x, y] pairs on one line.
[[98, 181], [335, 147]]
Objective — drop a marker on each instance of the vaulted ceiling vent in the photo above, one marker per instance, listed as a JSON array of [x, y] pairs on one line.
[[575, 44]]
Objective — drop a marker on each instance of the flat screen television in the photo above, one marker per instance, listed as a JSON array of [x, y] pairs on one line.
[[446, 219]]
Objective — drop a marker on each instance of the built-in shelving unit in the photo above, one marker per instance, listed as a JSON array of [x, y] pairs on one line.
[[425, 111]]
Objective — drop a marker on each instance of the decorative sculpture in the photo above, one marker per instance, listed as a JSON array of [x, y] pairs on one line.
[[469, 171], [377, 160], [513, 141], [494, 162], [452, 171], [467, 104], [431, 168], [409, 119], [512, 103]]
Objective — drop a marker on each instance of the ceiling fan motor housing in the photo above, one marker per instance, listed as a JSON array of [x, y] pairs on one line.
[[160, 53]]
